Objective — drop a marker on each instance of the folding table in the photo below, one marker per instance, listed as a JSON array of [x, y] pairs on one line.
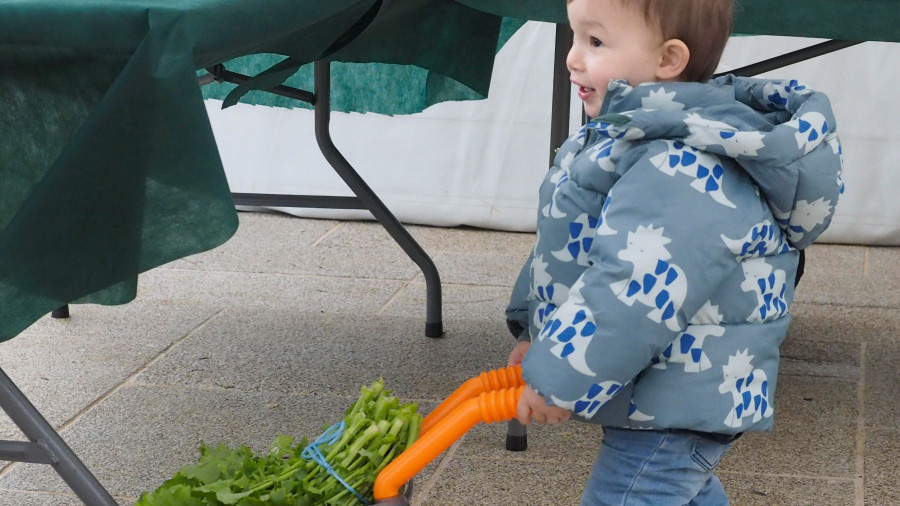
[[109, 167], [108, 160]]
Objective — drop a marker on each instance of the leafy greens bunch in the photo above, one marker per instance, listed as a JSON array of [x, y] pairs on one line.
[[377, 427]]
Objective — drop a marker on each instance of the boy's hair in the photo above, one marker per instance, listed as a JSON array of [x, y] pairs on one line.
[[703, 25]]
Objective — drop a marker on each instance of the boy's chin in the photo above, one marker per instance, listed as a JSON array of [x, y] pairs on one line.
[[592, 108]]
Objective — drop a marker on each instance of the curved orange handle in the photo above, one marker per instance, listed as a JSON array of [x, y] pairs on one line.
[[497, 379], [488, 407]]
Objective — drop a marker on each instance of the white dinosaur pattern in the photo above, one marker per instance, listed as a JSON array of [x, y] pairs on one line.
[[543, 288], [687, 349], [804, 217], [703, 169], [768, 285], [572, 328], [581, 236], [588, 404], [654, 281], [749, 390], [762, 239], [707, 133]]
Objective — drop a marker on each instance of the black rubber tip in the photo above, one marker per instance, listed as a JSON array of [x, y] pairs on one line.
[[60, 312], [398, 500], [434, 329], [516, 443], [393, 501]]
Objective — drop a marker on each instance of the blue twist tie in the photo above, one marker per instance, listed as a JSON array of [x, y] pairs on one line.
[[312, 452]]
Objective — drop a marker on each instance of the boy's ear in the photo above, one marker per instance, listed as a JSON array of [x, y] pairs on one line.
[[674, 56]]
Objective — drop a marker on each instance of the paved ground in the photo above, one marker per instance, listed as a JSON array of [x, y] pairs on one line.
[[275, 332]]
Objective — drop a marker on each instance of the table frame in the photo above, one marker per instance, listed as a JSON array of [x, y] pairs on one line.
[[365, 197]]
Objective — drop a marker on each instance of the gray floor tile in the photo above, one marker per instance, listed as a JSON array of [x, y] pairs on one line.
[[820, 358], [883, 269], [882, 480], [128, 321], [882, 385], [467, 240], [830, 322], [568, 442], [815, 431], [252, 249], [480, 268], [460, 303], [844, 275], [305, 312], [259, 349], [236, 289], [769, 490], [363, 249], [467, 481], [19, 498], [64, 365]]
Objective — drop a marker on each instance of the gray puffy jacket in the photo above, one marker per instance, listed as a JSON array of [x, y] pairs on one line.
[[668, 231]]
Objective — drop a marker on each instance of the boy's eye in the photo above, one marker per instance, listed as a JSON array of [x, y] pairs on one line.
[[596, 42]]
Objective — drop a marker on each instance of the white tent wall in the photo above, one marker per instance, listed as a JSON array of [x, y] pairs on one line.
[[479, 163]]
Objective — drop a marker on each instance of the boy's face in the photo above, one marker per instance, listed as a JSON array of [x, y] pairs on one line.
[[611, 41]]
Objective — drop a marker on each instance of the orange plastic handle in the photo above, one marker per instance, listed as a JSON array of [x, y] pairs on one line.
[[488, 407], [497, 379]]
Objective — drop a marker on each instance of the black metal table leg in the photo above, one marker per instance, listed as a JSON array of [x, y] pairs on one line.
[[365, 198], [434, 326], [562, 89], [46, 446]]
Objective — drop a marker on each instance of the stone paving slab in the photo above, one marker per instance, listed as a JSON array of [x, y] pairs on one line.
[[261, 349], [64, 365], [276, 331]]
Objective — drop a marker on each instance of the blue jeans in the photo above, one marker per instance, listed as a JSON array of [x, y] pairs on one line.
[[657, 468]]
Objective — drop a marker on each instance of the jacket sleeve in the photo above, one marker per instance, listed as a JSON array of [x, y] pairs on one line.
[[655, 260], [517, 310]]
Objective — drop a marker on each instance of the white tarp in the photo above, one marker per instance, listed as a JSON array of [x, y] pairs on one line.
[[479, 163]]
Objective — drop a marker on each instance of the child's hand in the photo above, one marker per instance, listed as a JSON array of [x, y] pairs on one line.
[[518, 353], [533, 406]]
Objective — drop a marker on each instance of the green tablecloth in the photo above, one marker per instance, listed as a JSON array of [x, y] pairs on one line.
[[108, 165], [372, 87]]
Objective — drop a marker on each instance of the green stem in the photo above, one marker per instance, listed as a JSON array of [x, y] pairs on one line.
[[415, 427], [287, 473], [359, 443]]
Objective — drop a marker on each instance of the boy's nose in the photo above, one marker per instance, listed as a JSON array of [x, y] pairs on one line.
[[573, 61]]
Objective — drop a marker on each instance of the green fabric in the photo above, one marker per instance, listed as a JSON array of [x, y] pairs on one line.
[[108, 164], [101, 188], [360, 87], [827, 19]]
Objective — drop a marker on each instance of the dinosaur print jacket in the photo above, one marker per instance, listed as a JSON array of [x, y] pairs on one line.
[[658, 290]]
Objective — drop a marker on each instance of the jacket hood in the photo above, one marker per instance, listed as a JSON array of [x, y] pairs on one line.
[[780, 132]]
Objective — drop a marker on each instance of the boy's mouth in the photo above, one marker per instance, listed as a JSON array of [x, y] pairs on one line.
[[584, 92]]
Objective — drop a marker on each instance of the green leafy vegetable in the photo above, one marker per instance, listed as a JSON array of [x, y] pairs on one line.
[[377, 427]]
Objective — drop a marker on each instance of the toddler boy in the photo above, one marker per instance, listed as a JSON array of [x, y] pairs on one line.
[[669, 228]]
